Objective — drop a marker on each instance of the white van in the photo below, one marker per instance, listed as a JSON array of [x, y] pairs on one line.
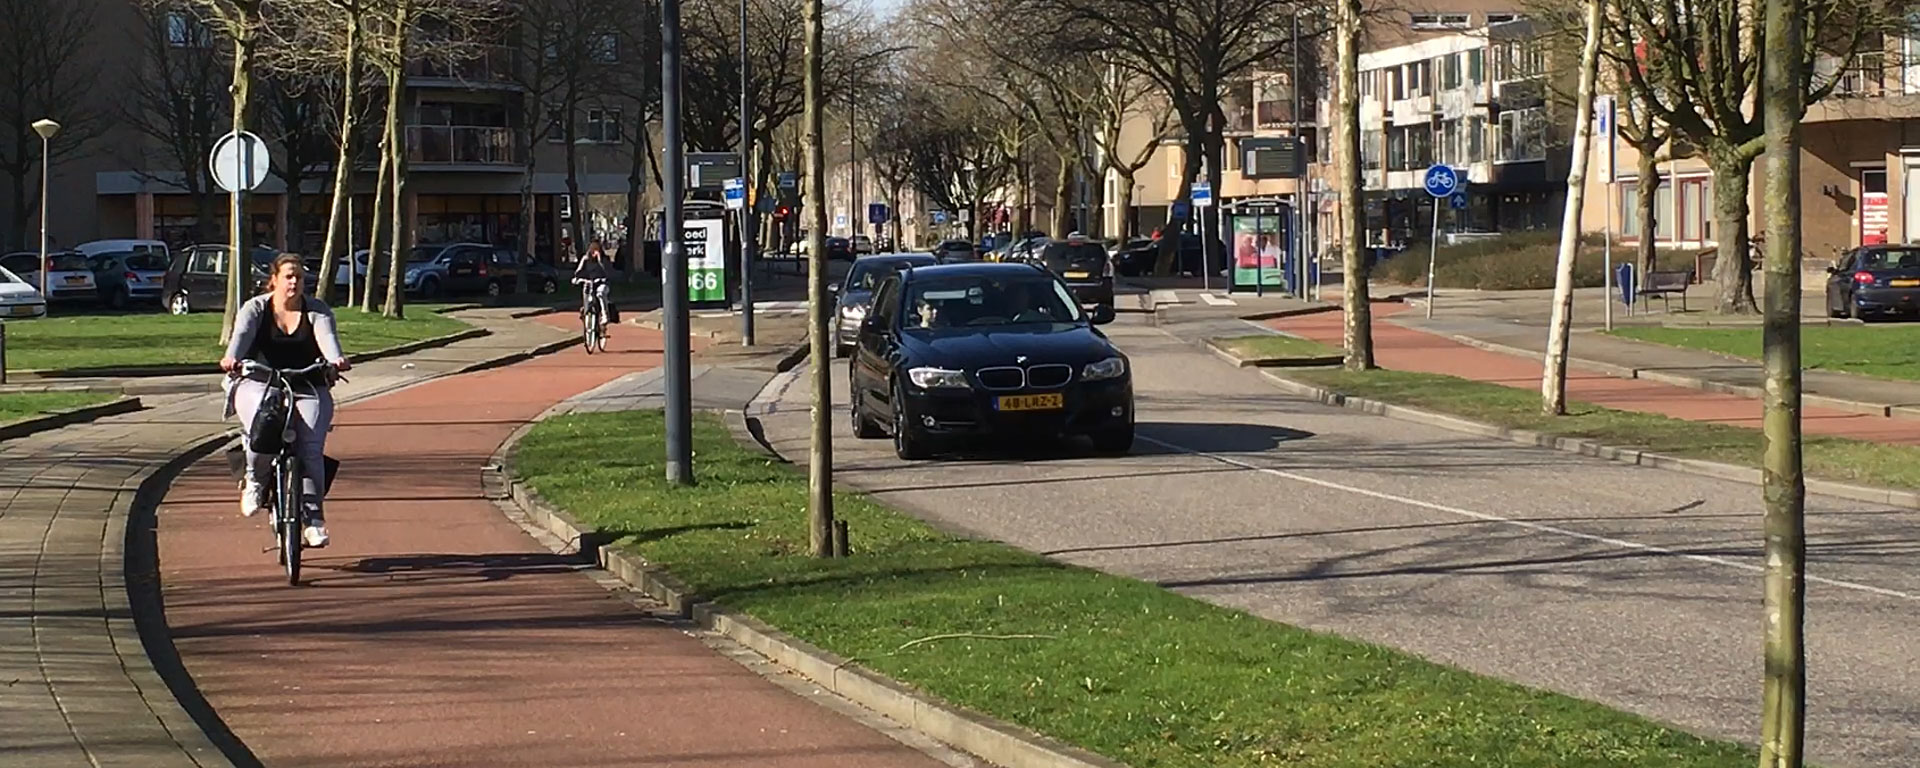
[[98, 247]]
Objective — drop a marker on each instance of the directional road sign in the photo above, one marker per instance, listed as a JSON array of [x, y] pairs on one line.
[[1459, 200], [734, 191], [1202, 194]]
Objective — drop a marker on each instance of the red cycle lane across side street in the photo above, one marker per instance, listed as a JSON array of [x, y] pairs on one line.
[[435, 632]]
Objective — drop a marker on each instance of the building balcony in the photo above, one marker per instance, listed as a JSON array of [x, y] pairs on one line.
[[487, 66], [479, 147]]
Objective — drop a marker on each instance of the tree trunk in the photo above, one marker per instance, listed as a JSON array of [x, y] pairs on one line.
[[240, 262], [529, 218], [377, 234], [1170, 235], [402, 227], [1124, 206], [1359, 313], [1022, 197], [578, 205], [636, 186], [1063, 199], [1646, 190], [1733, 269], [342, 166], [1553, 381], [1210, 243], [1783, 704], [819, 303]]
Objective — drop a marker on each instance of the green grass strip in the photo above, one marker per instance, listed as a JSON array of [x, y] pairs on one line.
[[1832, 458], [102, 341], [1126, 669], [26, 405], [1891, 352], [1272, 346]]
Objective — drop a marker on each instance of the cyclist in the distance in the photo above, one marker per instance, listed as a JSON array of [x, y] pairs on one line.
[[285, 328], [591, 274]]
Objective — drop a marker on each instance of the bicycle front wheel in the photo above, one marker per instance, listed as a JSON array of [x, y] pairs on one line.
[[289, 511], [590, 329]]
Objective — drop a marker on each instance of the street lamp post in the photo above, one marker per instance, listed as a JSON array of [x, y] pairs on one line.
[[46, 129], [748, 216], [679, 404]]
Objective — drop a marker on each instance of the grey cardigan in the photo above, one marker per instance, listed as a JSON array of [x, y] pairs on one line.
[[255, 315]]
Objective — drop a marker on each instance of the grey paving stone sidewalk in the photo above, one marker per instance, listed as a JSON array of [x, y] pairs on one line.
[[714, 387], [76, 685]]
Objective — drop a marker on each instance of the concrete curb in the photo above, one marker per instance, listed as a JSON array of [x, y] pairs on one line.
[[68, 417], [1887, 410], [197, 369], [1214, 346], [1584, 447], [997, 742]]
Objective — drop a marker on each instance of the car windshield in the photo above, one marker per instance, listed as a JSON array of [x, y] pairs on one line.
[[7, 276], [867, 273], [988, 300], [1890, 258], [68, 262], [422, 254]]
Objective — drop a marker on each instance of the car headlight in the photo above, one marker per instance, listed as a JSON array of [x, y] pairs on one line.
[[938, 378], [853, 311], [1110, 368]]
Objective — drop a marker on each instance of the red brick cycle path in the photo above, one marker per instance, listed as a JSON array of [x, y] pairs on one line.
[[436, 633], [1405, 349]]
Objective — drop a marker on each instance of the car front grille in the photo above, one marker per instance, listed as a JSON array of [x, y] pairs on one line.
[[1049, 376], [1002, 377]]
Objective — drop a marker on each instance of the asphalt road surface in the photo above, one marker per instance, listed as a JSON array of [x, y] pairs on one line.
[[1635, 587]]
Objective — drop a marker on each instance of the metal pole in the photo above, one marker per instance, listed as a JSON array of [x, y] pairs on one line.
[[679, 404], [1606, 248], [1293, 229], [1433, 251], [3, 351], [748, 219], [1259, 258], [46, 162]]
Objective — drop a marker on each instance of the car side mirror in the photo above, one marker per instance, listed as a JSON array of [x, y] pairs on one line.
[[1103, 314]]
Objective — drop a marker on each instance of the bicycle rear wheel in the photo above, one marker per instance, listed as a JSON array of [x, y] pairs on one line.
[[289, 509]]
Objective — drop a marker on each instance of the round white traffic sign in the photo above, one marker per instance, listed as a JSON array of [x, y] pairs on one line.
[[239, 162]]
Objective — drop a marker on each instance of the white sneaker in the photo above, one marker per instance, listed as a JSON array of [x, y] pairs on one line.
[[253, 499], [315, 536]]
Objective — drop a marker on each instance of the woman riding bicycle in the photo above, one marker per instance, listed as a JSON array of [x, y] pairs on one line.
[[591, 275], [286, 329]]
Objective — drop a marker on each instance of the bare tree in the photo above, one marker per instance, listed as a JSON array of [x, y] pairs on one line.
[[1120, 99], [177, 102], [1696, 67], [1346, 148], [820, 452], [240, 22], [45, 59], [1784, 92], [1553, 381]]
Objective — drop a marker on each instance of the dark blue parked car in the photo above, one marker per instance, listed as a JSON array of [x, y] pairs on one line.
[[1875, 280]]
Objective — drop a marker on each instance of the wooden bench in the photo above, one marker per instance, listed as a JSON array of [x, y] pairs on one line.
[[1665, 285]]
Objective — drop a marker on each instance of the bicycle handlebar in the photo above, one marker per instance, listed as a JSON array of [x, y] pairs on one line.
[[253, 369]]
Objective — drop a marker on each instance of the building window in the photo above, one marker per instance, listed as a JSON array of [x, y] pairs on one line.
[[1409, 147], [606, 48], [1450, 71], [1476, 66], [1502, 18], [1476, 139], [1523, 136], [1370, 147], [1441, 21], [1518, 60], [1417, 79], [1448, 148], [603, 125], [186, 31], [1695, 210]]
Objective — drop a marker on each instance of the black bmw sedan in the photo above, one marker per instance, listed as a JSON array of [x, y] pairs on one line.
[[1001, 351]]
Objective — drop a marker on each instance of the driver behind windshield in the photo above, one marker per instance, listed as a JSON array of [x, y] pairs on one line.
[[987, 302]]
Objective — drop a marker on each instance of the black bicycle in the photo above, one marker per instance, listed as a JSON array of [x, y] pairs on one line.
[[285, 496], [593, 318]]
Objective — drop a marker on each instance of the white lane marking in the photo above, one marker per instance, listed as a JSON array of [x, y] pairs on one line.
[[1165, 296], [1218, 301], [1490, 518]]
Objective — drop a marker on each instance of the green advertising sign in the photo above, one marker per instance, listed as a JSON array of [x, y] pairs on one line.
[[706, 260], [1259, 248]]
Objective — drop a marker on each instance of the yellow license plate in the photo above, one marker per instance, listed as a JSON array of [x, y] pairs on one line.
[[1050, 402], [76, 279], [1903, 283], [1076, 275], [22, 310]]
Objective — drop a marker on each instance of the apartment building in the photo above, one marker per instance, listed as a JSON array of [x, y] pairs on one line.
[[467, 134]]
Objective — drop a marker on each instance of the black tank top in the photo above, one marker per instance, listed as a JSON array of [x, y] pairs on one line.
[[277, 348]]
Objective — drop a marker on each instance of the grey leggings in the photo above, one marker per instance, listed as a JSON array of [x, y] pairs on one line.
[[312, 417]]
